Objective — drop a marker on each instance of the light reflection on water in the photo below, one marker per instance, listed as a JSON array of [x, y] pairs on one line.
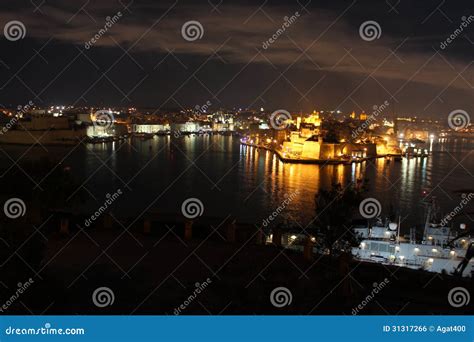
[[251, 183]]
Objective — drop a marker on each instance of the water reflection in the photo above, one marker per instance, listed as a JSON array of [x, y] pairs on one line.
[[246, 182]]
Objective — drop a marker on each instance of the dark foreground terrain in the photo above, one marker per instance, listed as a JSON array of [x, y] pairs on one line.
[[158, 272]]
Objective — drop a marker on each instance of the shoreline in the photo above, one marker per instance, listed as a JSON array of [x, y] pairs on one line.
[[317, 161]]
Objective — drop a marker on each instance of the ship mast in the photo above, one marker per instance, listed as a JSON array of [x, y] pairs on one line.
[[427, 222]]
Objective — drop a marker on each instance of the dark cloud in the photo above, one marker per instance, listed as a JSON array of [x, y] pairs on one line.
[[319, 60]]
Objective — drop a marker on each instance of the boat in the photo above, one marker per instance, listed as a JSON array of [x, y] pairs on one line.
[[440, 250], [416, 141]]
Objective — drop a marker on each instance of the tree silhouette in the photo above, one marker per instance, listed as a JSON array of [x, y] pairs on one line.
[[335, 209]]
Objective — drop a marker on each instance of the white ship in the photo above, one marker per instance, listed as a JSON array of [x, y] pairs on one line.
[[441, 250]]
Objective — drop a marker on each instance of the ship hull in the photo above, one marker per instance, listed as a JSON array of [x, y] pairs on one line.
[[415, 256]]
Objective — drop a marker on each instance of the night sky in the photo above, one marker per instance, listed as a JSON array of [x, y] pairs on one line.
[[320, 61]]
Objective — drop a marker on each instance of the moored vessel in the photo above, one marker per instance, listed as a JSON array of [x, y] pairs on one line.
[[441, 249]]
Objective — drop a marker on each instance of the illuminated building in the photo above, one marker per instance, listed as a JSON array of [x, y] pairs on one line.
[[187, 127], [222, 122], [150, 128], [314, 147], [314, 119]]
